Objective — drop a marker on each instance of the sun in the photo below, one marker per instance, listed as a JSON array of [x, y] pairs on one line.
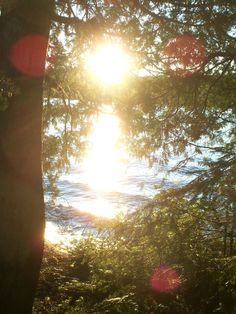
[[109, 63]]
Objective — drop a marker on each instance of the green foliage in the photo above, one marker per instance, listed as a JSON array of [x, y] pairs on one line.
[[68, 109], [113, 274], [164, 114]]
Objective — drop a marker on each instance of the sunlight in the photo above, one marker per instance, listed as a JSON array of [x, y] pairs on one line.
[[109, 63], [104, 163], [54, 236], [101, 208]]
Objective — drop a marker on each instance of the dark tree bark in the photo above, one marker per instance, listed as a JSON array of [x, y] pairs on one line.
[[21, 192]]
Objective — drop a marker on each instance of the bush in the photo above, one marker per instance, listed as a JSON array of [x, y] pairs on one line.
[[115, 274]]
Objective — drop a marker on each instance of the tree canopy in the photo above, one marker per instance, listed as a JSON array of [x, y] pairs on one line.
[[178, 100]]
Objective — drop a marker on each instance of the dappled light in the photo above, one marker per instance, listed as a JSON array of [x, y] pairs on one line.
[[51, 58]]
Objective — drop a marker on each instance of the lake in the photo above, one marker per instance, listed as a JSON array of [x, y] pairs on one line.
[[105, 183], [78, 198]]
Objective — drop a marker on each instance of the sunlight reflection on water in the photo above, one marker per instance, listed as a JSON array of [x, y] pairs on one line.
[[103, 165], [103, 184], [52, 233]]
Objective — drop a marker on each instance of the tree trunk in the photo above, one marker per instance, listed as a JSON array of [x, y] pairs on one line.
[[21, 192]]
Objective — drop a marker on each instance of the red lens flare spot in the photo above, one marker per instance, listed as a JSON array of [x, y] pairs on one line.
[[184, 55], [28, 55], [165, 279]]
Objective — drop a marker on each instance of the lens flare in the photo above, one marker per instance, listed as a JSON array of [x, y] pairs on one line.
[[28, 55], [165, 279], [184, 55]]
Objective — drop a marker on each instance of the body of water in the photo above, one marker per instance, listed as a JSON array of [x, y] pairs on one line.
[[107, 182], [79, 198]]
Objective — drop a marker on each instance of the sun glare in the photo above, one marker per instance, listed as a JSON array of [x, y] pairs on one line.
[[54, 236], [104, 164], [109, 63]]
